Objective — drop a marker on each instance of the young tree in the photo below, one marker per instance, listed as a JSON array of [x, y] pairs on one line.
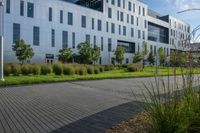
[[144, 52], [119, 53], [137, 57], [151, 58], [95, 54], [161, 54], [65, 54], [85, 52], [22, 51]]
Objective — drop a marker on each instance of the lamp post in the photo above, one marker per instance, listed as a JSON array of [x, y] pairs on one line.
[[1, 39]]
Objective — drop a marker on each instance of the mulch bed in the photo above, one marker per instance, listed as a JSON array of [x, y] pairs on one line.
[[135, 124]]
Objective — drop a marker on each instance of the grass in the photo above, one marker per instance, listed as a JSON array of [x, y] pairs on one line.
[[114, 74]]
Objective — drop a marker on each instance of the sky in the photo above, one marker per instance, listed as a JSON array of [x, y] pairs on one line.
[[171, 7]]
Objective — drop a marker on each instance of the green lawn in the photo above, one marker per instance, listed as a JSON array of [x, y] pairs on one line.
[[122, 73]]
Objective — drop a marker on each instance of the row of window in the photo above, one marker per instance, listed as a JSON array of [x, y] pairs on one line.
[[131, 6], [36, 37]]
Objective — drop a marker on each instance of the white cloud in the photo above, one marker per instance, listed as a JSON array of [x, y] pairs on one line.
[[185, 4]]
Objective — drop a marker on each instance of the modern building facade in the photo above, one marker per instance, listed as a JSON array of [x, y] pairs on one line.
[[50, 25]]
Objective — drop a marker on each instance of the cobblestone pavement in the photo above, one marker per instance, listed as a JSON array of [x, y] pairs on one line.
[[70, 107]]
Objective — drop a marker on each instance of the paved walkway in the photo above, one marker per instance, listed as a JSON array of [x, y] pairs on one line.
[[71, 107]]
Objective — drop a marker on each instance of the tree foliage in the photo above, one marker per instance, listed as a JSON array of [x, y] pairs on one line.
[[119, 54], [88, 54], [138, 57], [161, 54], [22, 51], [65, 54], [178, 58], [151, 58]]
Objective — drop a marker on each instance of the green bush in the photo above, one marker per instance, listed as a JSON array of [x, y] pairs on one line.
[[109, 67], [96, 70], [46, 69], [26, 69], [68, 70], [36, 70], [90, 69], [82, 71], [134, 67], [7, 69], [57, 68], [16, 69], [101, 69]]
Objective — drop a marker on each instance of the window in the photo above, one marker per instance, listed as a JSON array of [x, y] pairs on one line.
[[133, 7], [36, 36], [101, 43], [143, 35], [137, 21], [70, 18], [145, 24], [109, 44], [83, 20], [21, 8], [129, 6], [122, 16], [155, 50], [117, 15], [87, 39], [119, 29], [139, 34], [7, 6], [100, 60], [95, 40], [132, 19], [113, 2], [127, 18], [16, 32], [124, 6], [143, 11], [99, 25], [52, 38], [30, 10], [50, 14], [119, 3], [107, 27], [132, 32], [93, 23], [109, 13], [112, 27], [73, 40], [64, 39], [61, 16], [124, 30], [139, 12]]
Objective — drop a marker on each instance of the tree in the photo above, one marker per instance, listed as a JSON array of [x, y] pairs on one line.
[[138, 57], [87, 54], [151, 58], [119, 53], [22, 51], [95, 54], [161, 54], [144, 53], [65, 54]]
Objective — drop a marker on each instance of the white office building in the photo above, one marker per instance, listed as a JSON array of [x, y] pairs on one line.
[[50, 25]]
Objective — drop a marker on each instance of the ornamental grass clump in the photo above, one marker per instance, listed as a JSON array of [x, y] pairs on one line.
[[82, 71], [46, 69], [90, 69], [57, 68], [7, 69], [36, 70], [68, 70], [16, 69], [26, 69]]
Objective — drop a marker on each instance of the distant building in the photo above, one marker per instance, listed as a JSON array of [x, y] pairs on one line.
[[50, 25], [195, 49]]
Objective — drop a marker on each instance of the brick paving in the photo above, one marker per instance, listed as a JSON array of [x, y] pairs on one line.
[[71, 107]]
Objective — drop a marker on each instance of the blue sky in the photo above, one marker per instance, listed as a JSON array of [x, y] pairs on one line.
[[171, 7]]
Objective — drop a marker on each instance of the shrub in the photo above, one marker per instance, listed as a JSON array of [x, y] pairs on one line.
[[90, 70], [134, 67], [82, 71], [68, 70], [16, 69], [36, 70], [96, 70], [7, 70], [109, 67], [46, 69], [57, 68], [26, 69], [101, 69]]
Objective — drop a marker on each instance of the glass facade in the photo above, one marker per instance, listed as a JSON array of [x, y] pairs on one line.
[[128, 46], [30, 10], [158, 33]]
